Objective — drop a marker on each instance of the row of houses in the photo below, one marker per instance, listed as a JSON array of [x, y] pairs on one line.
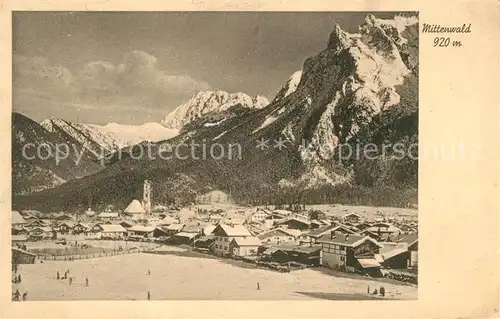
[[337, 248], [346, 243]]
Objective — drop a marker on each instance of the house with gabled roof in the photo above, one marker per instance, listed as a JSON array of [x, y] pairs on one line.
[[63, 216], [184, 238], [18, 222], [224, 234], [350, 252], [351, 218], [281, 213], [17, 219], [110, 231], [173, 229], [291, 252], [168, 220], [411, 240], [313, 235], [127, 223], [42, 233], [30, 214], [259, 215], [192, 229], [108, 216], [296, 223], [385, 231], [400, 253], [276, 236], [81, 228], [316, 224], [65, 227], [142, 231], [36, 223], [134, 208], [208, 230], [244, 246], [370, 234]]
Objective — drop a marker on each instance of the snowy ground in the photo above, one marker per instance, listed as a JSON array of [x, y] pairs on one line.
[[338, 210], [368, 212], [125, 277]]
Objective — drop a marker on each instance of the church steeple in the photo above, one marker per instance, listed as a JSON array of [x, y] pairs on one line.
[[146, 197]]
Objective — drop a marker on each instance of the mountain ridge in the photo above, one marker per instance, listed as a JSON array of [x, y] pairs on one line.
[[205, 102], [362, 86], [32, 173]]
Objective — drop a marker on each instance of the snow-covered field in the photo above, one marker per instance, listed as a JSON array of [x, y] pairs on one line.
[[125, 277], [338, 210], [368, 212]]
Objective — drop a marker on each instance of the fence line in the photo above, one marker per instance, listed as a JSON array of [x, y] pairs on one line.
[[93, 255]]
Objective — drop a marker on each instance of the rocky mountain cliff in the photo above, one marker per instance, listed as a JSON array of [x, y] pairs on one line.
[[361, 89]]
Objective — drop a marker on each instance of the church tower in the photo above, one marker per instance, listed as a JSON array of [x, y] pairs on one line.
[[146, 197]]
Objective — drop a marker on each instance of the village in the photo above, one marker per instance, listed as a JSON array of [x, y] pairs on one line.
[[351, 243]]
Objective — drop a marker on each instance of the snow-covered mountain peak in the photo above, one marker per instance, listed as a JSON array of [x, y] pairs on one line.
[[86, 135], [110, 137], [129, 135], [399, 22], [50, 123], [345, 86], [260, 101], [205, 102], [290, 86], [339, 39]]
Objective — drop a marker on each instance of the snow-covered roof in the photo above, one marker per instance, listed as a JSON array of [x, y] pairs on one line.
[[236, 230], [45, 229], [282, 212], [298, 219], [390, 229], [168, 220], [70, 224], [17, 218], [293, 232], [106, 228], [207, 230], [351, 215], [247, 241], [175, 226], [368, 262], [140, 228], [184, 234], [90, 213], [347, 240], [289, 232], [86, 225], [394, 252], [108, 215], [192, 229], [134, 207], [18, 238]]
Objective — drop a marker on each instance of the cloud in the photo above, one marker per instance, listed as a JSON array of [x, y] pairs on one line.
[[38, 76], [140, 70], [136, 82]]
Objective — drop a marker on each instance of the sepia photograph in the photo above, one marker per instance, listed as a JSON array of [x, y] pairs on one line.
[[211, 155]]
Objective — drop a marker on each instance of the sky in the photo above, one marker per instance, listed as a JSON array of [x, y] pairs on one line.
[[136, 67]]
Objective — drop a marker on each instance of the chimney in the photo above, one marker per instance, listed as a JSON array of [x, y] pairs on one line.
[[346, 237], [332, 235]]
